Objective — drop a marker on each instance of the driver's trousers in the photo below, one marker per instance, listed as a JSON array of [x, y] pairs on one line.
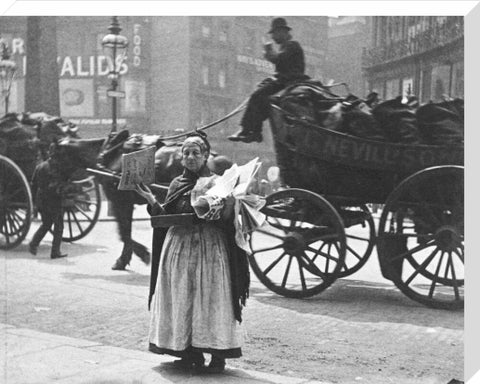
[[258, 105]]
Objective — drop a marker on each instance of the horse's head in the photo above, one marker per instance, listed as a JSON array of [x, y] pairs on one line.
[[121, 143], [218, 164], [168, 163]]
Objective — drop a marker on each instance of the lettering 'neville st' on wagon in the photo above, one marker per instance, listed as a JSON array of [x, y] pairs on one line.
[[351, 151]]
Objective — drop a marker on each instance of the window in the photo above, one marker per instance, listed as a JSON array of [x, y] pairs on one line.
[[426, 77], [205, 31], [414, 26], [204, 113], [396, 28], [392, 89], [379, 33], [205, 74], [457, 80], [441, 19], [440, 82], [206, 26], [221, 78], [223, 33], [407, 87], [223, 36]]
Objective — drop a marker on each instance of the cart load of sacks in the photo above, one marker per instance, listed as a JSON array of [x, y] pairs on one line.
[[20, 131], [24, 137], [400, 120]]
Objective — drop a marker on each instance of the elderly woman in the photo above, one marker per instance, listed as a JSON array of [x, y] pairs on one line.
[[200, 278]]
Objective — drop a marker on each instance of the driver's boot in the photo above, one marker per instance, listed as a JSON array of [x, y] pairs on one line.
[[246, 136]]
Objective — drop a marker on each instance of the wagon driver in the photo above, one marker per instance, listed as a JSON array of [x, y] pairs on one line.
[[289, 63]]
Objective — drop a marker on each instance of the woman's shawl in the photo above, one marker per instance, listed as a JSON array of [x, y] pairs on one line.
[[238, 259]]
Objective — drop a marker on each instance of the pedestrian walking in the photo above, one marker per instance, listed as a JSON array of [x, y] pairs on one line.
[[289, 67], [48, 184], [200, 277]]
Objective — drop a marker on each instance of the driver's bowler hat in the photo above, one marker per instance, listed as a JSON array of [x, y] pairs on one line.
[[277, 23]]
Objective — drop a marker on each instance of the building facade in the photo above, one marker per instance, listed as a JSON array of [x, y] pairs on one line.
[[347, 37], [180, 72], [82, 71], [226, 60], [420, 55]]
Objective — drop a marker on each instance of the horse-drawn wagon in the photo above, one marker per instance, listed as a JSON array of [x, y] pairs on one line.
[[24, 142], [321, 229]]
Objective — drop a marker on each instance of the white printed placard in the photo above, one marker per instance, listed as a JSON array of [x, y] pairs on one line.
[[138, 167]]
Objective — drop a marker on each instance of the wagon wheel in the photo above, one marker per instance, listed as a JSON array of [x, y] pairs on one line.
[[360, 232], [81, 208], [421, 236], [15, 204], [301, 250]]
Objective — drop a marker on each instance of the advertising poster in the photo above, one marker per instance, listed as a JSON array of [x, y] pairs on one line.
[[76, 97], [134, 96], [16, 99]]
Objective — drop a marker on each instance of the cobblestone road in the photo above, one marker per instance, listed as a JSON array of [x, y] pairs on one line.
[[356, 331]]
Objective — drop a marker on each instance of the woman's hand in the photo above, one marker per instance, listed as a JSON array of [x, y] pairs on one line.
[[146, 193], [229, 201], [228, 208], [270, 56]]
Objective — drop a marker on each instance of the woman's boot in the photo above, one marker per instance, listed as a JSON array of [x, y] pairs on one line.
[[217, 365]]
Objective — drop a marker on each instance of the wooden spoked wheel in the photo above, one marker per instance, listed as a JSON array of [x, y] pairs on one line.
[[360, 233], [16, 205], [301, 249], [421, 237], [81, 208]]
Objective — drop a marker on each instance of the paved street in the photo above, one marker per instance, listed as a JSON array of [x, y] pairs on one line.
[[361, 330]]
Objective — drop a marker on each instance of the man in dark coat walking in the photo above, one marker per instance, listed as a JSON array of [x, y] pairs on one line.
[[289, 67], [48, 185]]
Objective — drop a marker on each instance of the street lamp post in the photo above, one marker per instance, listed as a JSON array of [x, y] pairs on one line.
[[7, 73], [115, 48]]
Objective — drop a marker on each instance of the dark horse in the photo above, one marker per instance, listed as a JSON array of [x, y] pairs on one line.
[[105, 154]]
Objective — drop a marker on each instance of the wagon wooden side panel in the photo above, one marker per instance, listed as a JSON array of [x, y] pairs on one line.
[[346, 167]]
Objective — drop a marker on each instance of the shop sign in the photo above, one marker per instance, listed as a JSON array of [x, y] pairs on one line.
[[137, 45], [80, 66], [260, 64], [97, 121], [75, 66], [116, 94]]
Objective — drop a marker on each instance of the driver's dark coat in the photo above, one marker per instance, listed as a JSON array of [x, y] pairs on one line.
[[289, 62]]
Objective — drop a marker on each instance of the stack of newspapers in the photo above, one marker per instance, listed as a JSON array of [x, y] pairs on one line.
[[208, 199]]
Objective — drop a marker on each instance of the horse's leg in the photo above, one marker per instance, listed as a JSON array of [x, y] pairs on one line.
[[123, 211], [141, 251]]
